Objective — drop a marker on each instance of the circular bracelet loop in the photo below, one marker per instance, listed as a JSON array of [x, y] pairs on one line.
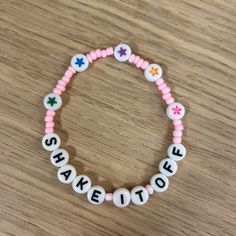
[[59, 157]]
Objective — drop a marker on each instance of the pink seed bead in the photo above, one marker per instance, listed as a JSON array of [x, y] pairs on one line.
[[57, 91], [109, 196], [89, 58], [104, 53], [49, 130], [131, 58], [144, 65], [66, 79], [70, 68], [159, 82], [98, 53], [136, 59], [109, 51], [68, 73], [50, 113], [166, 96], [177, 140], [179, 127], [162, 86], [149, 189], [49, 124], [177, 133], [61, 82], [170, 100], [48, 118], [139, 63], [93, 55], [177, 122], [165, 90], [60, 87]]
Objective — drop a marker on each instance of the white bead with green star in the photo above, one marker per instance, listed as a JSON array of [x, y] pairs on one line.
[[52, 102]]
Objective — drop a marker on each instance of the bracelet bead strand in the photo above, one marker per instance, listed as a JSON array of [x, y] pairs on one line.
[[59, 157]]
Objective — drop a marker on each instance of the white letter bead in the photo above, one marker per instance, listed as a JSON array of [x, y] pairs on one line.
[[176, 152], [139, 195], [66, 174], [121, 197], [51, 142], [52, 102], [168, 167], [79, 62], [159, 183], [81, 184], [153, 72], [175, 111], [59, 157], [122, 52], [96, 195]]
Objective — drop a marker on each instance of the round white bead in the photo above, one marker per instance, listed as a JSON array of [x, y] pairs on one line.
[[52, 102], [96, 195], [168, 167], [153, 72], [59, 157], [121, 197], [79, 62], [175, 111], [122, 52], [51, 142], [176, 152], [66, 174], [159, 183], [81, 184], [139, 195]]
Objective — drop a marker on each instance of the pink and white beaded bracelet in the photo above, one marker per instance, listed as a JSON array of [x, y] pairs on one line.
[[81, 184]]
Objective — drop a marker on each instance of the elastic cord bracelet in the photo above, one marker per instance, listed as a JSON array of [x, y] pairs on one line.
[[82, 184]]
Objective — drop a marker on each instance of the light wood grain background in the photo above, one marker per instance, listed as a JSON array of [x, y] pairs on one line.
[[113, 122]]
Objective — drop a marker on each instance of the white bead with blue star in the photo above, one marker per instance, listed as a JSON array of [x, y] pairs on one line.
[[122, 52], [79, 62]]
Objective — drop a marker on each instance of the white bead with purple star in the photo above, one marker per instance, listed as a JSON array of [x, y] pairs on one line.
[[59, 157], [79, 62], [122, 52]]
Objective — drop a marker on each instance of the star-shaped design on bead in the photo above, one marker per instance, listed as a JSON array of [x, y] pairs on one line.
[[122, 51], [154, 71], [52, 101], [79, 62], [176, 110]]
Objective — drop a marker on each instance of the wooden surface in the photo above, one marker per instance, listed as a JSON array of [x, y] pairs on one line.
[[113, 122]]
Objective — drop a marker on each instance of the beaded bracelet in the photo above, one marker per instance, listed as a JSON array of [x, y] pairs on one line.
[[81, 184]]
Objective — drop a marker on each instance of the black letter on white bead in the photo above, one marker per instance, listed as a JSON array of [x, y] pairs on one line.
[[160, 185], [95, 195], [176, 152], [66, 174], [81, 183], [139, 193], [59, 157], [167, 167]]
